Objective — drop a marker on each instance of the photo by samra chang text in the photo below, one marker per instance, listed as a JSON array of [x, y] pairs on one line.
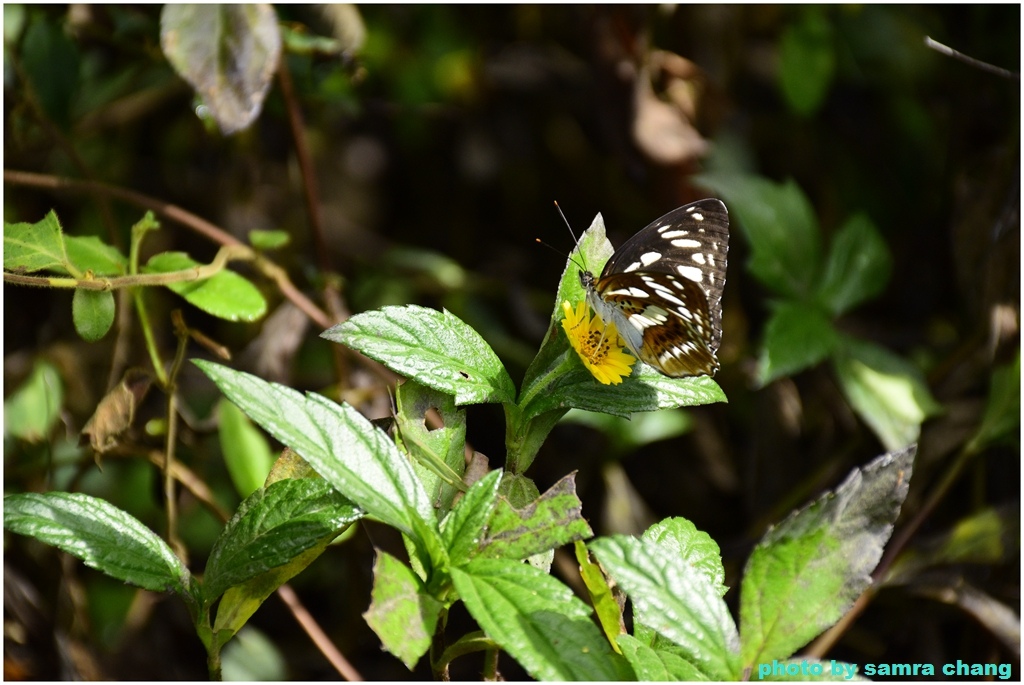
[[847, 671]]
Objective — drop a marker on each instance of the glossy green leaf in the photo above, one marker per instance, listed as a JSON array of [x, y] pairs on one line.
[[681, 540], [239, 602], [101, 535], [675, 599], [798, 335], [463, 531], [656, 664], [780, 226], [537, 620], [228, 53], [358, 459], [885, 390], [32, 410], [645, 390], [93, 313], [435, 348], [401, 613], [857, 267], [807, 61], [273, 526], [225, 295], [246, 452], [806, 572]]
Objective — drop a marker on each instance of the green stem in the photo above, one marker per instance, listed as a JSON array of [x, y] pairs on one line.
[[138, 231], [213, 659], [467, 644], [196, 273], [147, 333], [172, 435]]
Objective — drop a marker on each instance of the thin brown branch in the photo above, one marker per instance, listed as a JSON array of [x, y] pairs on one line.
[[310, 187], [320, 639], [180, 216], [967, 59]]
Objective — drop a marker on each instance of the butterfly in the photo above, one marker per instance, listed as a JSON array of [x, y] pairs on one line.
[[663, 289]]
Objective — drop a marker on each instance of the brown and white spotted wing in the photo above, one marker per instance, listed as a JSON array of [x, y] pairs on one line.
[[663, 288]]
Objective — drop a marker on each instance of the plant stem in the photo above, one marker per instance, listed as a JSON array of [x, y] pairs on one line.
[[194, 273], [181, 331], [183, 217]]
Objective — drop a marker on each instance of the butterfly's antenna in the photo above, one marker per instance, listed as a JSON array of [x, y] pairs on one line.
[[575, 240]]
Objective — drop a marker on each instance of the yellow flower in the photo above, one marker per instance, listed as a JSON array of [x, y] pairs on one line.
[[599, 346]]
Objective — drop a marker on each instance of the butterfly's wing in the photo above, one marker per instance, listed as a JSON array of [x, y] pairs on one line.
[[691, 241], [664, 319]]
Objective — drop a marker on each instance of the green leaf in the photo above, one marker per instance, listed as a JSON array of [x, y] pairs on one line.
[[89, 253], [806, 572], [645, 390], [93, 313], [681, 540], [1001, 420], [435, 348], [439, 453], [101, 535], [241, 601], [780, 226], [797, 336], [886, 391], [225, 295], [675, 599], [272, 527], [358, 459], [246, 452], [537, 620], [857, 268], [807, 61], [228, 53], [269, 240], [653, 664], [463, 530], [606, 606], [35, 247], [401, 613], [31, 411], [552, 520]]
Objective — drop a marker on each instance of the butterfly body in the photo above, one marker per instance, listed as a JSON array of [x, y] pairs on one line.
[[663, 289]]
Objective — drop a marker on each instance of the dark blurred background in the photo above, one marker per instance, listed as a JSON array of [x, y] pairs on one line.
[[440, 139]]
